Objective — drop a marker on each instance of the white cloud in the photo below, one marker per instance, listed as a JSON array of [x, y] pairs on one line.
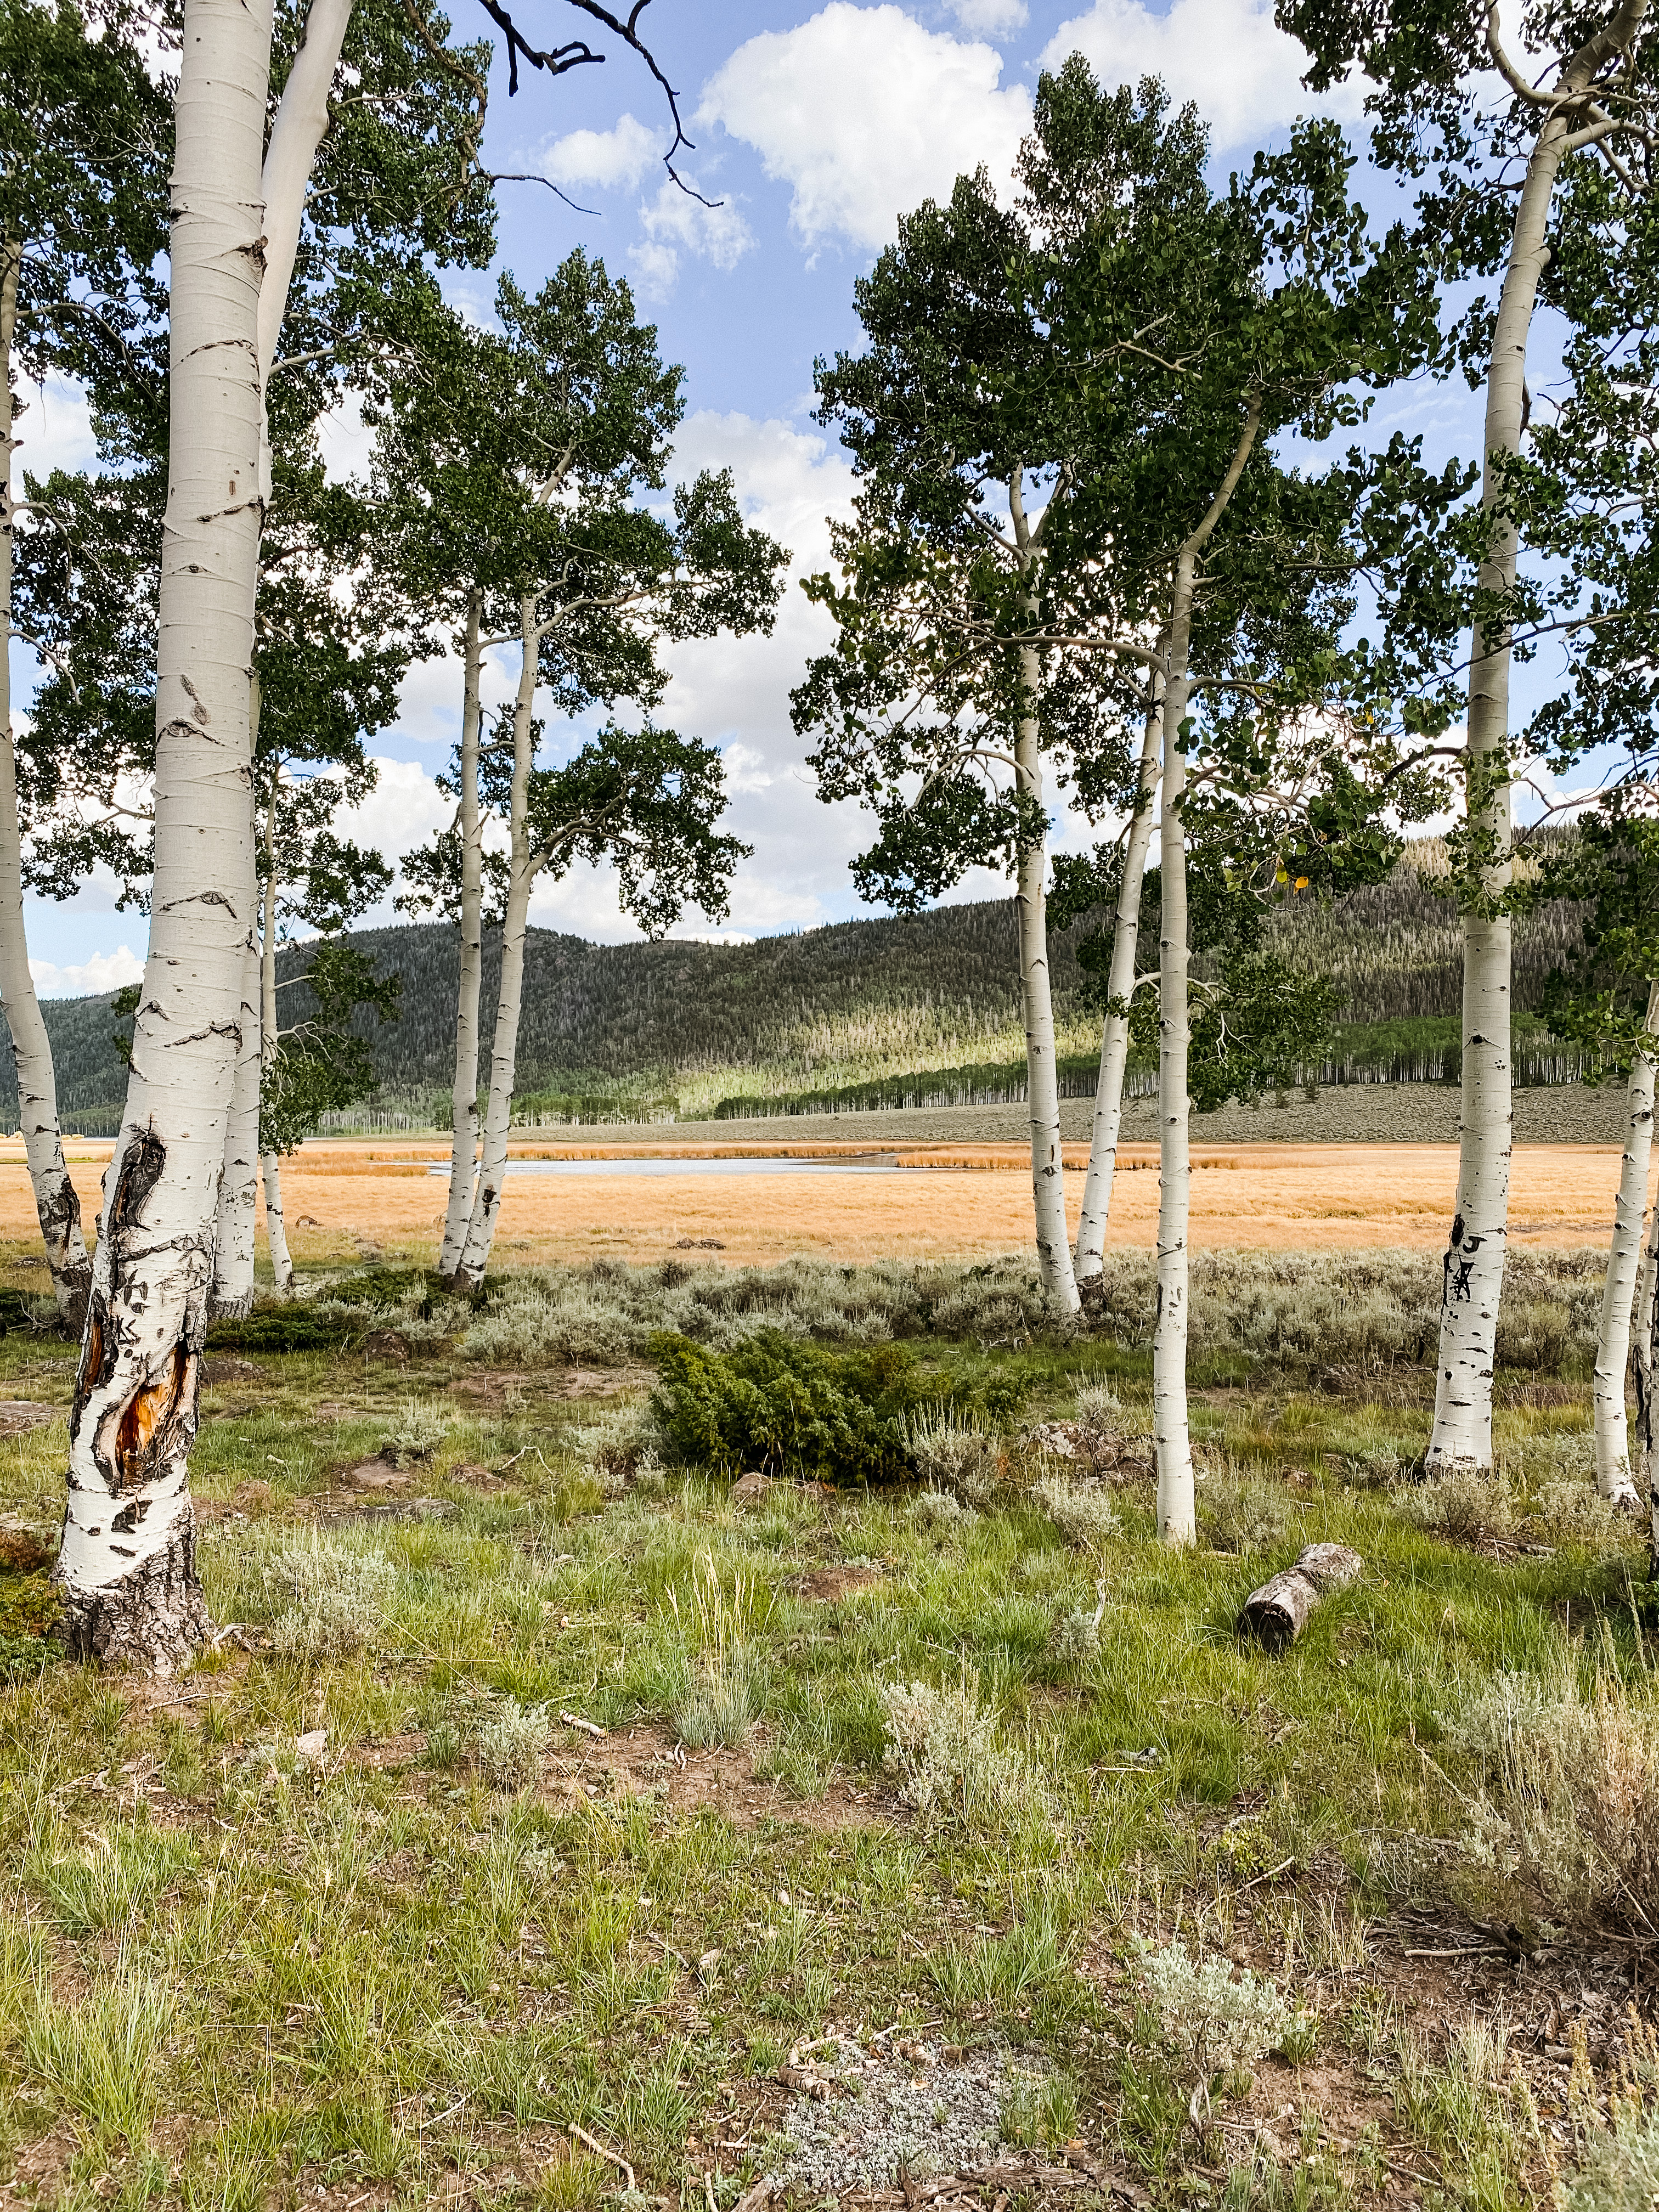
[[863, 114], [745, 769], [1229, 56], [674, 223], [989, 19], [54, 429], [615, 158], [105, 971]]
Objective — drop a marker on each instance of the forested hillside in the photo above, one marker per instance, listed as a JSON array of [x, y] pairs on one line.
[[855, 1008]]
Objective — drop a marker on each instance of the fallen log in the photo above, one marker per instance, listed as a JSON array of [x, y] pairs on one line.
[[1276, 1614]]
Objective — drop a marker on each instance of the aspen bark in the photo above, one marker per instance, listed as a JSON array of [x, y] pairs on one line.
[[1644, 1365], [232, 1294], [1613, 1340], [127, 1567], [1115, 1032], [1178, 1513], [56, 1204], [464, 1098], [498, 1120], [1471, 1277], [281, 1266], [1054, 1243]]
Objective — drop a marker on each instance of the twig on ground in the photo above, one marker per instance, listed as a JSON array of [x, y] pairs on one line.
[[602, 2150]]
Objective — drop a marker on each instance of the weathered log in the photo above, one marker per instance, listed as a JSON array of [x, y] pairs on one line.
[[1276, 1614]]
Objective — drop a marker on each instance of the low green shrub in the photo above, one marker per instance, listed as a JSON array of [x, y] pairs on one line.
[[788, 1408]]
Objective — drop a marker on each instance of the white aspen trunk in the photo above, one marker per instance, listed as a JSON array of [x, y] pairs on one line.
[[498, 1119], [1472, 1279], [1114, 1033], [296, 131], [1177, 1508], [281, 1266], [1612, 1474], [127, 1567], [56, 1204], [1645, 1372], [232, 1295], [464, 1098], [1054, 1243]]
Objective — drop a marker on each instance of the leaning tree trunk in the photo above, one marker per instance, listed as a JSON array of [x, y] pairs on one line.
[[281, 1266], [504, 1051], [1114, 1033], [1472, 1279], [1054, 1243], [127, 1567], [1177, 1511], [1612, 1474], [232, 1294], [464, 1098], [56, 1204]]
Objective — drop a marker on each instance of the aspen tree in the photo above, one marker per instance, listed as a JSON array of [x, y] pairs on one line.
[[127, 1566], [528, 459], [1456, 94]]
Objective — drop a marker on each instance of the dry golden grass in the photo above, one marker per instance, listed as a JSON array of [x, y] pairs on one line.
[[343, 1199]]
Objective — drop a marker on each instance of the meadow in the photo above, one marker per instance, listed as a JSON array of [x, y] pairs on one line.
[[564, 1817]]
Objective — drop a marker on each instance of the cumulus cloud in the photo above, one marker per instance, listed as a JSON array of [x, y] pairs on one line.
[[675, 223], [1229, 56], [863, 114], [105, 971], [617, 158]]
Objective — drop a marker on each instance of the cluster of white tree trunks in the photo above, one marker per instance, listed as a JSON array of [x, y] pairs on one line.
[[176, 1236]]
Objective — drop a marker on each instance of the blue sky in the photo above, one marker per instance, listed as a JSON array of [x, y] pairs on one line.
[[814, 128]]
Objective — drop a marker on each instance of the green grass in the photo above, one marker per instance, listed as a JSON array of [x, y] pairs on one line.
[[230, 1976]]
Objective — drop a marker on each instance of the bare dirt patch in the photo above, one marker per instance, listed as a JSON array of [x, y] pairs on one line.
[[645, 1761]]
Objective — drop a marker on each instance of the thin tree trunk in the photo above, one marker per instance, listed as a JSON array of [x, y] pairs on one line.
[[232, 1295], [1612, 1474], [1471, 1277], [1645, 1373], [1115, 1032], [56, 1204], [1177, 1511], [127, 1567], [1177, 1508], [463, 1099], [498, 1120], [1054, 1243], [281, 1266]]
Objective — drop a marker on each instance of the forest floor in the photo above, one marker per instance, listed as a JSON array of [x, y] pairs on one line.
[[377, 1198], [537, 1834]]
